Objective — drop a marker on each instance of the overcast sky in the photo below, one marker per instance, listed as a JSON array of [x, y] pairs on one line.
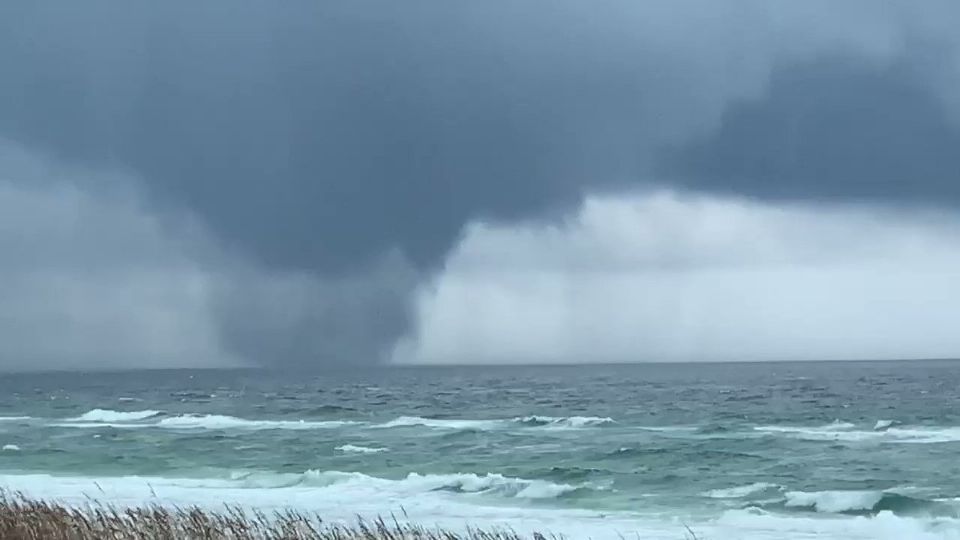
[[314, 183]]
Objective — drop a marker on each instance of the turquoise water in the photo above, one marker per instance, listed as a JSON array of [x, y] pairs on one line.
[[799, 450]]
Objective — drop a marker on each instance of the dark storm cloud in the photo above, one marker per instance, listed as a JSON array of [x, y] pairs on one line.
[[832, 130], [314, 135], [317, 138], [299, 320]]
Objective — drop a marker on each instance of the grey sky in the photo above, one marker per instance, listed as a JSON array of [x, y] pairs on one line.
[[332, 153], [832, 129]]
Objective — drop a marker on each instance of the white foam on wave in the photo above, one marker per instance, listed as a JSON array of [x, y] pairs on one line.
[[441, 423], [110, 416], [922, 435], [833, 427], [355, 449], [545, 490], [100, 418], [14, 418], [738, 492], [11, 448], [754, 524], [833, 501], [222, 422], [565, 421], [413, 484], [882, 425], [488, 483], [338, 497], [669, 429], [98, 425], [889, 434]]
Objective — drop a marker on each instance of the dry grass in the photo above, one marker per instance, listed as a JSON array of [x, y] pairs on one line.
[[22, 518]]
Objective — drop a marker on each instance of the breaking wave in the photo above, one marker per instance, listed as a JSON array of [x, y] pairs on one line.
[[488, 483], [883, 431], [883, 424], [569, 422], [440, 423], [831, 428], [901, 501], [98, 419], [354, 449], [219, 422], [413, 484], [865, 503], [739, 492], [109, 416], [834, 501], [564, 421]]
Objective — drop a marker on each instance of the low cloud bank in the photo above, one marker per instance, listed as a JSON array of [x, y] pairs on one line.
[[674, 277]]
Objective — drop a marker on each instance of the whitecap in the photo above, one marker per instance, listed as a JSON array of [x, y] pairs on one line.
[[838, 425], [834, 501], [110, 416], [882, 425], [221, 422], [545, 490], [893, 435], [533, 421], [491, 483], [828, 429], [203, 421], [922, 435], [413, 484], [668, 429], [98, 425], [739, 492], [10, 448], [564, 421], [754, 524], [355, 449], [440, 423]]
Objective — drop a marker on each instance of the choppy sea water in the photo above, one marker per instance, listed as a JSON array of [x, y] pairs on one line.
[[733, 451]]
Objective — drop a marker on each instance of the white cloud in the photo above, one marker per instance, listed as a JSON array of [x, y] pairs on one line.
[[667, 277]]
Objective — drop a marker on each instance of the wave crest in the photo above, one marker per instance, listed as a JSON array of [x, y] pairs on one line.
[[739, 492], [490, 484], [865, 502], [883, 424], [216, 421], [564, 421], [108, 416], [440, 423], [569, 422], [881, 432], [834, 501], [413, 484], [355, 449]]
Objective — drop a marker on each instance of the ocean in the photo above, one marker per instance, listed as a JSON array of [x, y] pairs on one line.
[[733, 451]]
